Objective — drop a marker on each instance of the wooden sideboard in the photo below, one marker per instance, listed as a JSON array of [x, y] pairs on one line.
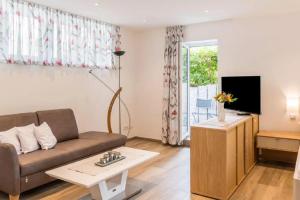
[[222, 154]]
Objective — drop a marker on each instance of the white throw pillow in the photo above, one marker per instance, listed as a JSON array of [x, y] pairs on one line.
[[45, 136], [27, 138], [10, 137]]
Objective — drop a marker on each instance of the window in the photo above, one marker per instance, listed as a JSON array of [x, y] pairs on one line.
[[34, 34]]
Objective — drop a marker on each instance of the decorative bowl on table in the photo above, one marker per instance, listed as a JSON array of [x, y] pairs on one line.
[[109, 158]]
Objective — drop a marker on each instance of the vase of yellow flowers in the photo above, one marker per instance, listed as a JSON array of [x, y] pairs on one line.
[[223, 98]]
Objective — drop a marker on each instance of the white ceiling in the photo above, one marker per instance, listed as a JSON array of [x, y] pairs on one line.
[[158, 13]]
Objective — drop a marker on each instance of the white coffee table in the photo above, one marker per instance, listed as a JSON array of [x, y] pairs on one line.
[[85, 173]]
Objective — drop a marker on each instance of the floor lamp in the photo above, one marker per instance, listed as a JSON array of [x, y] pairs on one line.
[[119, 54], [115, 96]]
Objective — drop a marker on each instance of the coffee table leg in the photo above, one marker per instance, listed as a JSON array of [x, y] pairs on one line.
[[101, 191]]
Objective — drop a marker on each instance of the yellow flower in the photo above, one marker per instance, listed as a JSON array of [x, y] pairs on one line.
[[222, 97]]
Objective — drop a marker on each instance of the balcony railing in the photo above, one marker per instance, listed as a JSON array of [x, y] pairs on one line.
[[202, 105]]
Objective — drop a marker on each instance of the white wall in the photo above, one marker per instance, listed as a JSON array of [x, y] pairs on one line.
[[149, 82], [32, 88], [266, 46]]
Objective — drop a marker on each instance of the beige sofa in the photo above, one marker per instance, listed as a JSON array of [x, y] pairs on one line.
[[19, 173]]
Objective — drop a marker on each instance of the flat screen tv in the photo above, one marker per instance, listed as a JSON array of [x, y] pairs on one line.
[[247, 90]]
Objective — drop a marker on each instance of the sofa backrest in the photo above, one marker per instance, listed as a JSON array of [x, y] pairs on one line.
[[62, 122], [23, 119]]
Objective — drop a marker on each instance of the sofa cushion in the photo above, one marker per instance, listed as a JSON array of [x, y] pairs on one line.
[[42, 160], [9, 121], [27, 138], [95, 135], [11, 137], [91, 143], [62, 123], [45, 136]]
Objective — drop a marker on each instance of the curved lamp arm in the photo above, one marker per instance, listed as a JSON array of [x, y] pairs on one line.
[[110, 109], [116, 94]]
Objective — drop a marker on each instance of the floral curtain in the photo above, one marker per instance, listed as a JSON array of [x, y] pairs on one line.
[[35, 34], [171, 99]]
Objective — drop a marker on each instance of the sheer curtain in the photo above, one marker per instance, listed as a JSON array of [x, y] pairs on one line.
[[35, 34], [171, 98]]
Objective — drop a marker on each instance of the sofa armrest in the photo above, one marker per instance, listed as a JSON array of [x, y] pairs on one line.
[[9, 170]]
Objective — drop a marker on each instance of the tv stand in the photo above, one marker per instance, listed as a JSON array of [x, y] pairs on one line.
[[227, 155], [243, 114]]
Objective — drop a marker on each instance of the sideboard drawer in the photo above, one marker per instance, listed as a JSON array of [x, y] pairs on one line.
[[278, 144]]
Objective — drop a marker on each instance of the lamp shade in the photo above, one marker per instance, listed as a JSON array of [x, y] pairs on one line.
[[119, 53], [292, 105]]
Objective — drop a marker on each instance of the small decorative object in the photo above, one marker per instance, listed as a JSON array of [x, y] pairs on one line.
[[109, 158], [223, 98]]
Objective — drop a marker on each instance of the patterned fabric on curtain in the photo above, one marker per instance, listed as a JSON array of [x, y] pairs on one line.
[[171, 99], [35, 34]]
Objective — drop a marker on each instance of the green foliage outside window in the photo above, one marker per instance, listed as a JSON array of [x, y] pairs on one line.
[[203, 66]]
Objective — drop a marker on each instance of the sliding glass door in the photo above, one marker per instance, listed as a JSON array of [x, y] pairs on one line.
[[185, 122], [198, 83]]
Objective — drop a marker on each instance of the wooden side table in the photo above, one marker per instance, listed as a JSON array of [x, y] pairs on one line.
[[275, 140]]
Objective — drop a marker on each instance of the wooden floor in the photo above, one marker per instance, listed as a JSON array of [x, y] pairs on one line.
[[167, 178]]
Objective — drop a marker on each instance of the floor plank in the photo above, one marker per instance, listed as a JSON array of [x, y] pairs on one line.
[[167, 177]]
